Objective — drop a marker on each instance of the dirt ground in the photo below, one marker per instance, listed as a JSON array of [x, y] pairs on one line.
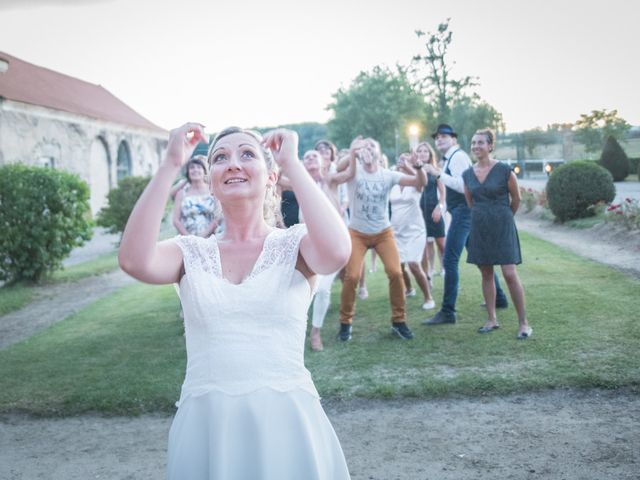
[[551, 435], [562, 434]]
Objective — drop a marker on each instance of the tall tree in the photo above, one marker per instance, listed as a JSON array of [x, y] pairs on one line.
[[380, 104], [594, 128], [433, 72], [452, 98]]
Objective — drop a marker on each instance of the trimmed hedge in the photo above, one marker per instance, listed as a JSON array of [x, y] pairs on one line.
[[574, 187], [614, 159], [44, 214], [121, 201]]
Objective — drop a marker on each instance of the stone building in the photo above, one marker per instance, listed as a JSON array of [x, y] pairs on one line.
[[54, 120]]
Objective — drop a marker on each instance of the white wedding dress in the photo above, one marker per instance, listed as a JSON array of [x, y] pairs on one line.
[[248, 407]]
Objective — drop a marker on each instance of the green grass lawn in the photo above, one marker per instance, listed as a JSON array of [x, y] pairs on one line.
[[125, 354]]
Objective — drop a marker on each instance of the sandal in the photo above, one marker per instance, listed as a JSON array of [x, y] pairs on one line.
[[526, 334], [485, 329]]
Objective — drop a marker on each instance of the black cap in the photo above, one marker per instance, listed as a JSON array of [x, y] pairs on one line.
[[444, 129]]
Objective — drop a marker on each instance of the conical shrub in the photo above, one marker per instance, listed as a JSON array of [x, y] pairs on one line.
[[615, 160]]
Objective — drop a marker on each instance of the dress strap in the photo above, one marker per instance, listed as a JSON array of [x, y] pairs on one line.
[[281, 248], [197, 253]]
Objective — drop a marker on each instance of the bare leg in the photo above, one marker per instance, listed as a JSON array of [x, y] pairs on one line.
[[426, 264], [421, 279], [489, 292], [432, 258], [362, 284], [517, 294], [374, 258], [406, 277]]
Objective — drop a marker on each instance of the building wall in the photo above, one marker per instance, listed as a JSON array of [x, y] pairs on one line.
[[40, 136]]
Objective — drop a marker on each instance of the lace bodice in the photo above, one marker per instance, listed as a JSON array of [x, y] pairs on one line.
[[246, 336]]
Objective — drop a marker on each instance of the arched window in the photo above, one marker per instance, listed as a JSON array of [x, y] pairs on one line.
[[99, 176], [124, 161]]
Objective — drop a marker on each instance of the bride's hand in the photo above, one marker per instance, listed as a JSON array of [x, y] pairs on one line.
[[183, 141], [283, 144]]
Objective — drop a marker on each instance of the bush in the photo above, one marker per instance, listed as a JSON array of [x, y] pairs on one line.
[[615, 160], [576, 186], [634, 165], [44, 214], [121, 201]]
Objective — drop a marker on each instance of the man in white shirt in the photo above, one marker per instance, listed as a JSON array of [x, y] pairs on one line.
[[455, 161]]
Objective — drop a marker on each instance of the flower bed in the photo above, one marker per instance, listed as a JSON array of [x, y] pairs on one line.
[[626, 213]]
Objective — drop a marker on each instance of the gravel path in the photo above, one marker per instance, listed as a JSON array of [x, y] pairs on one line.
[[587, 435], [55, 303]]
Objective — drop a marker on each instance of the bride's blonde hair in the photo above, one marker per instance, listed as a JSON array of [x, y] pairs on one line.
[[271, 210]]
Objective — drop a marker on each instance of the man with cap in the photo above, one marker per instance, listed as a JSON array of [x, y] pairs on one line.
[[455, 161]]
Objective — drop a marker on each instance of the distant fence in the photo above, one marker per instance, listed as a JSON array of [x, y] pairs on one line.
[[533, 168]]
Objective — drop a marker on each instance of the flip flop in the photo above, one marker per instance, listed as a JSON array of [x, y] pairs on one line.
[[488, 329], [526, 334]]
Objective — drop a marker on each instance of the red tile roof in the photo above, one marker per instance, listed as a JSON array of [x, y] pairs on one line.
[[28, 83]]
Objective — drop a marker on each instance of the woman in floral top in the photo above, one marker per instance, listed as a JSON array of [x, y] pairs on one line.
[[194, 211]]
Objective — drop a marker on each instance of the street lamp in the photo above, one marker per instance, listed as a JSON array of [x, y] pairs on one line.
[[414, 131]]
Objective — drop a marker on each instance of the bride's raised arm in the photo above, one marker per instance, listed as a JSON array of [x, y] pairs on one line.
[[327, 246], [141, 255]]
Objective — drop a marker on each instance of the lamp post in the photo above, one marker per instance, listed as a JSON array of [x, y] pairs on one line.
[[414, 131]]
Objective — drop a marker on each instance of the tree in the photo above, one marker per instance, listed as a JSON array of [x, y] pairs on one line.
[[120, 203], [379, 104], [614, 159], [593, 129], [308, 134], [537, 136], [470, 113], [452, 102], [433, 72]]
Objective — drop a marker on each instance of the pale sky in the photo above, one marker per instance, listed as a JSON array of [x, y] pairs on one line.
[[264, 63]]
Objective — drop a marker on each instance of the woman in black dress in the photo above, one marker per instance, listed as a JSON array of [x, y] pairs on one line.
[[491, 191], [432, 204]]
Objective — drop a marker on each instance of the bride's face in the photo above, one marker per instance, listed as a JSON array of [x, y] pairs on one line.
[[238, 168]]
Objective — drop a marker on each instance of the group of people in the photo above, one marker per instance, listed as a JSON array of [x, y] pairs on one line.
[[395, 213], [246, 284]]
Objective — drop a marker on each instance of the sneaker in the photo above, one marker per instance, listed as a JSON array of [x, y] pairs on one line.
[[345, 332], [401, 330], [428, 305], [410, 293], [363, 293], [440, 318]]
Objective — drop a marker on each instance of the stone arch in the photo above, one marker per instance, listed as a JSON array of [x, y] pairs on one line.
[[123, 164], [99, 174]]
